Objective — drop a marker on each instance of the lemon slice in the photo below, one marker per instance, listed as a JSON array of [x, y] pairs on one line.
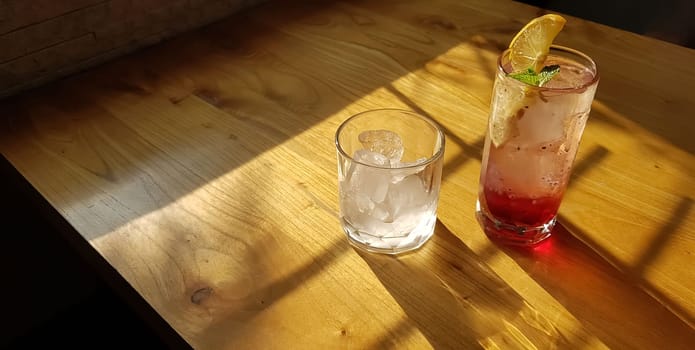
[[528, 49], [530, 46], [507, 107]]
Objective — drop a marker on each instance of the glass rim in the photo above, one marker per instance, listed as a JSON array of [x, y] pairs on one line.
[[440, 136], [592, 66]]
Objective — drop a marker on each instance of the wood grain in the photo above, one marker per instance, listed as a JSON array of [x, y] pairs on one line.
[[203, 170]]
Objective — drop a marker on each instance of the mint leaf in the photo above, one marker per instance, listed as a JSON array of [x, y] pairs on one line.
[[547, 73], [530, 76]]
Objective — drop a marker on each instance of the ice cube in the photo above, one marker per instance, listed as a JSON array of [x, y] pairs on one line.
[[385, 142], [367, 181], [407, 195], [363, 202], [371, 158], [408, 169], [381, 213], [367, 225]]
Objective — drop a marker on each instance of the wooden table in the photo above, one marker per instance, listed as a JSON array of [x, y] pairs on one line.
[[203, 170]]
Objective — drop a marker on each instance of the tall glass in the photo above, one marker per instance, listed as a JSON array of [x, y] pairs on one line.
[[389, 175], [531, 143]]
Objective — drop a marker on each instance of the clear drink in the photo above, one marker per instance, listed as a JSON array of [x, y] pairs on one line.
[[389, 175], [532, 140]]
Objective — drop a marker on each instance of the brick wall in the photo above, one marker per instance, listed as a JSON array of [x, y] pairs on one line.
[[41, 40]]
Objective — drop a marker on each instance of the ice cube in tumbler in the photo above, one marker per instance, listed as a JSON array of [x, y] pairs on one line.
[[385, 142], [372, 182]]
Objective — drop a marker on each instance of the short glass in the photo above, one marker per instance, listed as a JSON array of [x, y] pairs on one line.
[[389, 175], [537, 131]]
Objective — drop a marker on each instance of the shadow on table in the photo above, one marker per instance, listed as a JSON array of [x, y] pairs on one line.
[[133, 136], [238, 313], [458, 302], [607, 297], [605, 300]]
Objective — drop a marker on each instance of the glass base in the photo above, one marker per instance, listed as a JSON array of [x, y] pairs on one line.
[[513, 234], [390, 245]]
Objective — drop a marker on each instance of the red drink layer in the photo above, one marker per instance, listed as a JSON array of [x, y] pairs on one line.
[[524, 212]]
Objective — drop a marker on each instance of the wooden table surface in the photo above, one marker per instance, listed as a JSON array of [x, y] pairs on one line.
[[203, 170]]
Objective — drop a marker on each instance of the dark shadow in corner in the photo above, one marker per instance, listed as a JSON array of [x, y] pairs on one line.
[[58, 288]]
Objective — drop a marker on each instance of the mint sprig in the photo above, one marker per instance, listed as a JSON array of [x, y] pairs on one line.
[[530, 76]]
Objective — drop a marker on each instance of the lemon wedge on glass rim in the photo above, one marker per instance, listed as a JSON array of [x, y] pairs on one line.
[[527, 50], [530, 46]]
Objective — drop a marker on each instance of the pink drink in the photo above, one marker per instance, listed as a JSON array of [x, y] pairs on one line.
[[527, 164]]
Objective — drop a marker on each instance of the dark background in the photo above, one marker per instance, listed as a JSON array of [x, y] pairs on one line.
[[668, 20]]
